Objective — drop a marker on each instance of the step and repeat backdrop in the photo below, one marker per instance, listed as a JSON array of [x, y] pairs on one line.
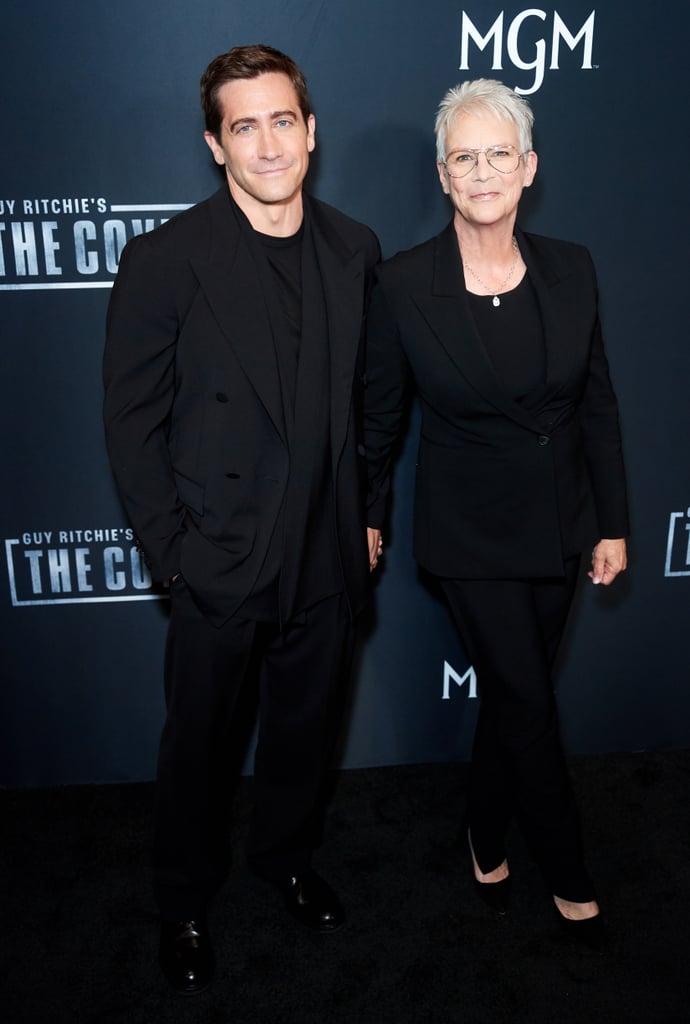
[[103, 140]]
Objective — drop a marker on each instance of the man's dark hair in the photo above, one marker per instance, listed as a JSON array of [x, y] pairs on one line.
[[247, 62]]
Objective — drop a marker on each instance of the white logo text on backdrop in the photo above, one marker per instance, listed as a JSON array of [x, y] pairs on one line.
[[519, 36], [77, 567], [451, 676], [678, 545], [71, 242]]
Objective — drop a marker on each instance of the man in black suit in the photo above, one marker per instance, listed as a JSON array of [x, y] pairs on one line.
[[233, 379]]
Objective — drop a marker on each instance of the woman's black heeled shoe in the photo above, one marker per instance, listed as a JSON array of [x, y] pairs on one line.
[[495, 895], [586, 933]]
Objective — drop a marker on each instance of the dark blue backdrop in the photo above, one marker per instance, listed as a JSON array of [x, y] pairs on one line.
[[103, 138]]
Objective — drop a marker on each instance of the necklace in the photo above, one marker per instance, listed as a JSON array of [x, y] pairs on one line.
[[496, 301]]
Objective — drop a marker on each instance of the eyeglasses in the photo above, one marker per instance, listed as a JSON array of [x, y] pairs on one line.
[[502, 158]]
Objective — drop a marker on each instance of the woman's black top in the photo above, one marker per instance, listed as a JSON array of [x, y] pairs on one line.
[[513, 336]]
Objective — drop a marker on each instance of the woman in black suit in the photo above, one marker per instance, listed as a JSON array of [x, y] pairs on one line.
[[519, 470]]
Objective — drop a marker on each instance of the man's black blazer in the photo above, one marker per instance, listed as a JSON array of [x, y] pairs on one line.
[[501, 492], [193, 409]]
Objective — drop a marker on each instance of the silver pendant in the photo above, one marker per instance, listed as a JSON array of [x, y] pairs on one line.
[[496, 301]]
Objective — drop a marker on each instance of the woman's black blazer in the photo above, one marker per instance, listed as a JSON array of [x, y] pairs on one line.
[[501, 491]]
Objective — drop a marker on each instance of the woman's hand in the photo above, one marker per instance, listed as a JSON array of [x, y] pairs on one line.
[[608, 559], [375, 547]]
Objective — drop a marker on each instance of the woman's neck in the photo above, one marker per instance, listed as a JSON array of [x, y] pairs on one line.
[[490, 244], [491, 259]]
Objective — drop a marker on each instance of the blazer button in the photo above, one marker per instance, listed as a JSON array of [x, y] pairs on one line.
[[220, 397], [543, 439]]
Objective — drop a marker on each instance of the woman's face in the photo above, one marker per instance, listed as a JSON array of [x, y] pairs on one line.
[[485, 196]]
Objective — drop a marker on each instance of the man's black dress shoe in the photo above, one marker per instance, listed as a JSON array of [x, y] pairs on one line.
[[312, 902], [186, 955]]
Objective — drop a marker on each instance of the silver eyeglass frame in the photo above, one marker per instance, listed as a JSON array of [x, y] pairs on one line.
[[485, 150]]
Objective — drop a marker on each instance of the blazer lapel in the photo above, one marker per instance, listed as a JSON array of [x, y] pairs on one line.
[[341, 276], [562, 351], [231, 283]]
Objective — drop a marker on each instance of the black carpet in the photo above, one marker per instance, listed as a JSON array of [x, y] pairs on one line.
[[79, 932]]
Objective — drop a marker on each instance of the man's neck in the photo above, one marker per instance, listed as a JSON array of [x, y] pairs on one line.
[[279, 219]]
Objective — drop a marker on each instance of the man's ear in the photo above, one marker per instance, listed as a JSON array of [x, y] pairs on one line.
[[214, 146]]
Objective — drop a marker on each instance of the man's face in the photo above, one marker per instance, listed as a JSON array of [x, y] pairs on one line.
[[264, 143]]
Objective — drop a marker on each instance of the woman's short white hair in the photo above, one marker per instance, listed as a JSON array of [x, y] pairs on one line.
[[484, 97]]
